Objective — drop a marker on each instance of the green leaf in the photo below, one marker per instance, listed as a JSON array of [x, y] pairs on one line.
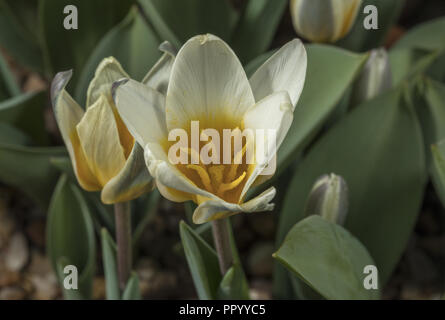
[[360, 39], [70, 49], [19, 32], [70, 236], [110, 266], [378, 150], [202, 261], [257, 27], [234, 285], [8, 85], [64, 165], [132, 42], [328, 258], [427, 36], [13, 136], [132, 291], [178, 21], [26, 112], [320, 96], [30, 170]]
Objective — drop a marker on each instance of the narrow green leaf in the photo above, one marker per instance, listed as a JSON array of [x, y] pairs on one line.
[[234, 285], [7, 79], [328, 258], [95, 18], [110, 266], [378, 150], [178, 21], [257, 27], [132, 42], [360, 39], [26, 112], [428, 36], [202, 261], [70, 236], [132, 291], [30, 170]]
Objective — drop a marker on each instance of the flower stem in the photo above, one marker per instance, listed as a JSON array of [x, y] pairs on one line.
[[221, 238], [123, 238]]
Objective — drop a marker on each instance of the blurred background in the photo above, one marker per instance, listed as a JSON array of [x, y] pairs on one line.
[[34, 46]]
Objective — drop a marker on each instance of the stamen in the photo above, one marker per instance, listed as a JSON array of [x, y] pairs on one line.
[[232, 185], [203, 175], [217, 173]]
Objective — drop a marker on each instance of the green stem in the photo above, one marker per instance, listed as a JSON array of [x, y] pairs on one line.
[[221, 238], [124, 245]]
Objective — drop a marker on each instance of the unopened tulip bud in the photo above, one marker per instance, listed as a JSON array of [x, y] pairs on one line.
[[324, 20], [375, 78], [329, 199]]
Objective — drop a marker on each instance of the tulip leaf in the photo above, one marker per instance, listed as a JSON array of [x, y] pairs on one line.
[[320, 96], [18, 32], [12, 135], [428, 36], [70, 49], [202, 261], [132, 42], [110, 266], [70, 237], [64, 165], [178, 21], [378, 150], [328, 258], [8, 86], [361, 39], [26, 112], [438, 172], [132, 291], [30, 170], [257, 27], [234, 285]]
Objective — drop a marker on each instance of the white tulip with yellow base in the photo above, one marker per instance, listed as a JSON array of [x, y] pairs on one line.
[[208, 84], [324, 20]]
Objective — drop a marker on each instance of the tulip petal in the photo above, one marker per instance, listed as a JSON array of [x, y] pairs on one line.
[[207, 83], [142, 109], [99, 138], [284, 71], [170, 177], [131, 182], [159, 76], [68, 114], [108, 71], [274, 112], [218, 209]]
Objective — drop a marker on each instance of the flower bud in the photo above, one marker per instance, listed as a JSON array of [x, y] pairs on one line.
[[324, 20], [329, 199], [375, 78]]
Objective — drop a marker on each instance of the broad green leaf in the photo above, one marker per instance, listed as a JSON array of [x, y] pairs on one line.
[[70, 49], [427, 36], [320, 96], [8, 83], [178, 21], [328, 258], [132, 42], [257, 27], [378, 150], [19, 32], [132, 291], [64, 165], [360, 39], [13, 136], [202, 261], [30, 170], [234, 285], [26, 112], [407, 63], [70, 236], [110, 266]]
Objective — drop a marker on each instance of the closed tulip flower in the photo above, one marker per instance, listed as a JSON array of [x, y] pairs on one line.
[[208, 84], [103, 153], [325, 21]]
